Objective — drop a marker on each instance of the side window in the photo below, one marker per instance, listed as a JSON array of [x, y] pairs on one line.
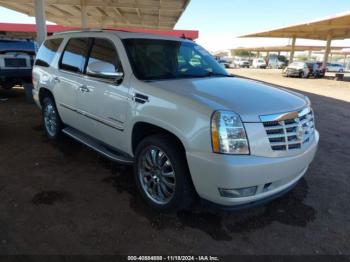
[[74, 56], [47, 52], [103, 50]]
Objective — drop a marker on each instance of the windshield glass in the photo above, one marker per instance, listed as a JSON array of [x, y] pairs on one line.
[[153, 59]]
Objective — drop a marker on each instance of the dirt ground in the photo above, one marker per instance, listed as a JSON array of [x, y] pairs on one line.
[[62, 198]]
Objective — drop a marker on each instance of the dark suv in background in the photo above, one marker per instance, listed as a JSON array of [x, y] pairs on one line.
[[317, 69], [16, 62]]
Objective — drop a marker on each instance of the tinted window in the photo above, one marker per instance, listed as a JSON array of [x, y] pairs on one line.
[[74, 56], [47, 52], [103, 50], [165, 59]]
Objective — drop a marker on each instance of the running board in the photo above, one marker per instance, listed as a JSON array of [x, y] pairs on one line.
[[97, 146]]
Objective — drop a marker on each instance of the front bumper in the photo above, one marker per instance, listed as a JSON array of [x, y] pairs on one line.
[[293, 72], [213, 171]]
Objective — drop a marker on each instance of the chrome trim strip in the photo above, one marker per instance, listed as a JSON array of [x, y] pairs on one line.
[[115, 120], [95, 118], [69, 107], [285, 116]]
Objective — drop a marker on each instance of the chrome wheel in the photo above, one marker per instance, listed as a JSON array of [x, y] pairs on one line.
[[50, 119], [157, 175]]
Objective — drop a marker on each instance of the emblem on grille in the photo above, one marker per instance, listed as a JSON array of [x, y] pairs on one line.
[[300, 132]]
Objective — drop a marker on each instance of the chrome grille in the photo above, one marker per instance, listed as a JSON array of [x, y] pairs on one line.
[[290, 130]]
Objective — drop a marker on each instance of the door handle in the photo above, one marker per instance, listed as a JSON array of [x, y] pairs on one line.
[[84, 89]]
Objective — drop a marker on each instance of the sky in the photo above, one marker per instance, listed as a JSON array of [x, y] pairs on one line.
[[220, 22]]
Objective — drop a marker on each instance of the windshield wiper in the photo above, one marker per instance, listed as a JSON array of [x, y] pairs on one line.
[[170, 77], [209, 74], [217, 74]]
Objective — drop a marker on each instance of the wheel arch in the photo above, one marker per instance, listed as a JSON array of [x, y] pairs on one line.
[[44, 92], [142, 130]]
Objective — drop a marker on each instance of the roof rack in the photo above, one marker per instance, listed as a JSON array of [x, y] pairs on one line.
[[78, 31]]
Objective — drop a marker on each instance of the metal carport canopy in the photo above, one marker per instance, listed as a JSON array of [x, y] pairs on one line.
[[330, 28], [286, 48], [155, 14], [151, 14], [337, 26]]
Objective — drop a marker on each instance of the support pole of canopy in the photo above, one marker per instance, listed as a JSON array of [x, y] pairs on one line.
[[327, 51], [40, 20], [345, 57], [292, 51], [309, 55], [84, 16]]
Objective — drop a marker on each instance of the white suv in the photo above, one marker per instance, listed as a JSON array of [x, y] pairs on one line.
[[167, 107]]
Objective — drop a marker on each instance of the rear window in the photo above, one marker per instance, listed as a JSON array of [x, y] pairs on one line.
[[47, 52], [75, 55]]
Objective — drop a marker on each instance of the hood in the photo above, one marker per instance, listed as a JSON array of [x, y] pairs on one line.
[[250, 99]]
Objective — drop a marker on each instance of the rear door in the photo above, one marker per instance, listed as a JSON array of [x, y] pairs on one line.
[[68, 79], [104, 101]]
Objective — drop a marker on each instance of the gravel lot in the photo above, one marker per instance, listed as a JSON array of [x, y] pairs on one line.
[[325, 87], [62, 198]]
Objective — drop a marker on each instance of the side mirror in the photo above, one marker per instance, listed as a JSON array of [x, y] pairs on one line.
[[103, 70]]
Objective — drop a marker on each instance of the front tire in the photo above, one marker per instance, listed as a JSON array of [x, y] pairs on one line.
[[51, 120], [162, 175]]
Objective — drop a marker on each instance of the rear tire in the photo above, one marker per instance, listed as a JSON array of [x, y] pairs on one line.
[[51, 120], [162, 175]]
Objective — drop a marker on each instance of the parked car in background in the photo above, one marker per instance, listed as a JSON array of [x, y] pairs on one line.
[[241, 62], [259, 63], [16, 62], [335, 68], [276, 61], [297, 69], [165, 106], [225, 63], [317, 69]]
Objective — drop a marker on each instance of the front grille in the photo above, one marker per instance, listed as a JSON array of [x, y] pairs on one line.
[[15, 62], [290, 134]]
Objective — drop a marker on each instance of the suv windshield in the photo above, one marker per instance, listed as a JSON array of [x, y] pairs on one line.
[[154, 59]]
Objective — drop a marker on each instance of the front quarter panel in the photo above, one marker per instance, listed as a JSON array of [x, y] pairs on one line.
[[182, 116]]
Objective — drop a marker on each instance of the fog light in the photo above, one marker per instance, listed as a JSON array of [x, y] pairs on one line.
[[239, 192]]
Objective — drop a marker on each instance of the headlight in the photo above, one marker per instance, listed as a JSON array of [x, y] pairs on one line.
[[228, 135]]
